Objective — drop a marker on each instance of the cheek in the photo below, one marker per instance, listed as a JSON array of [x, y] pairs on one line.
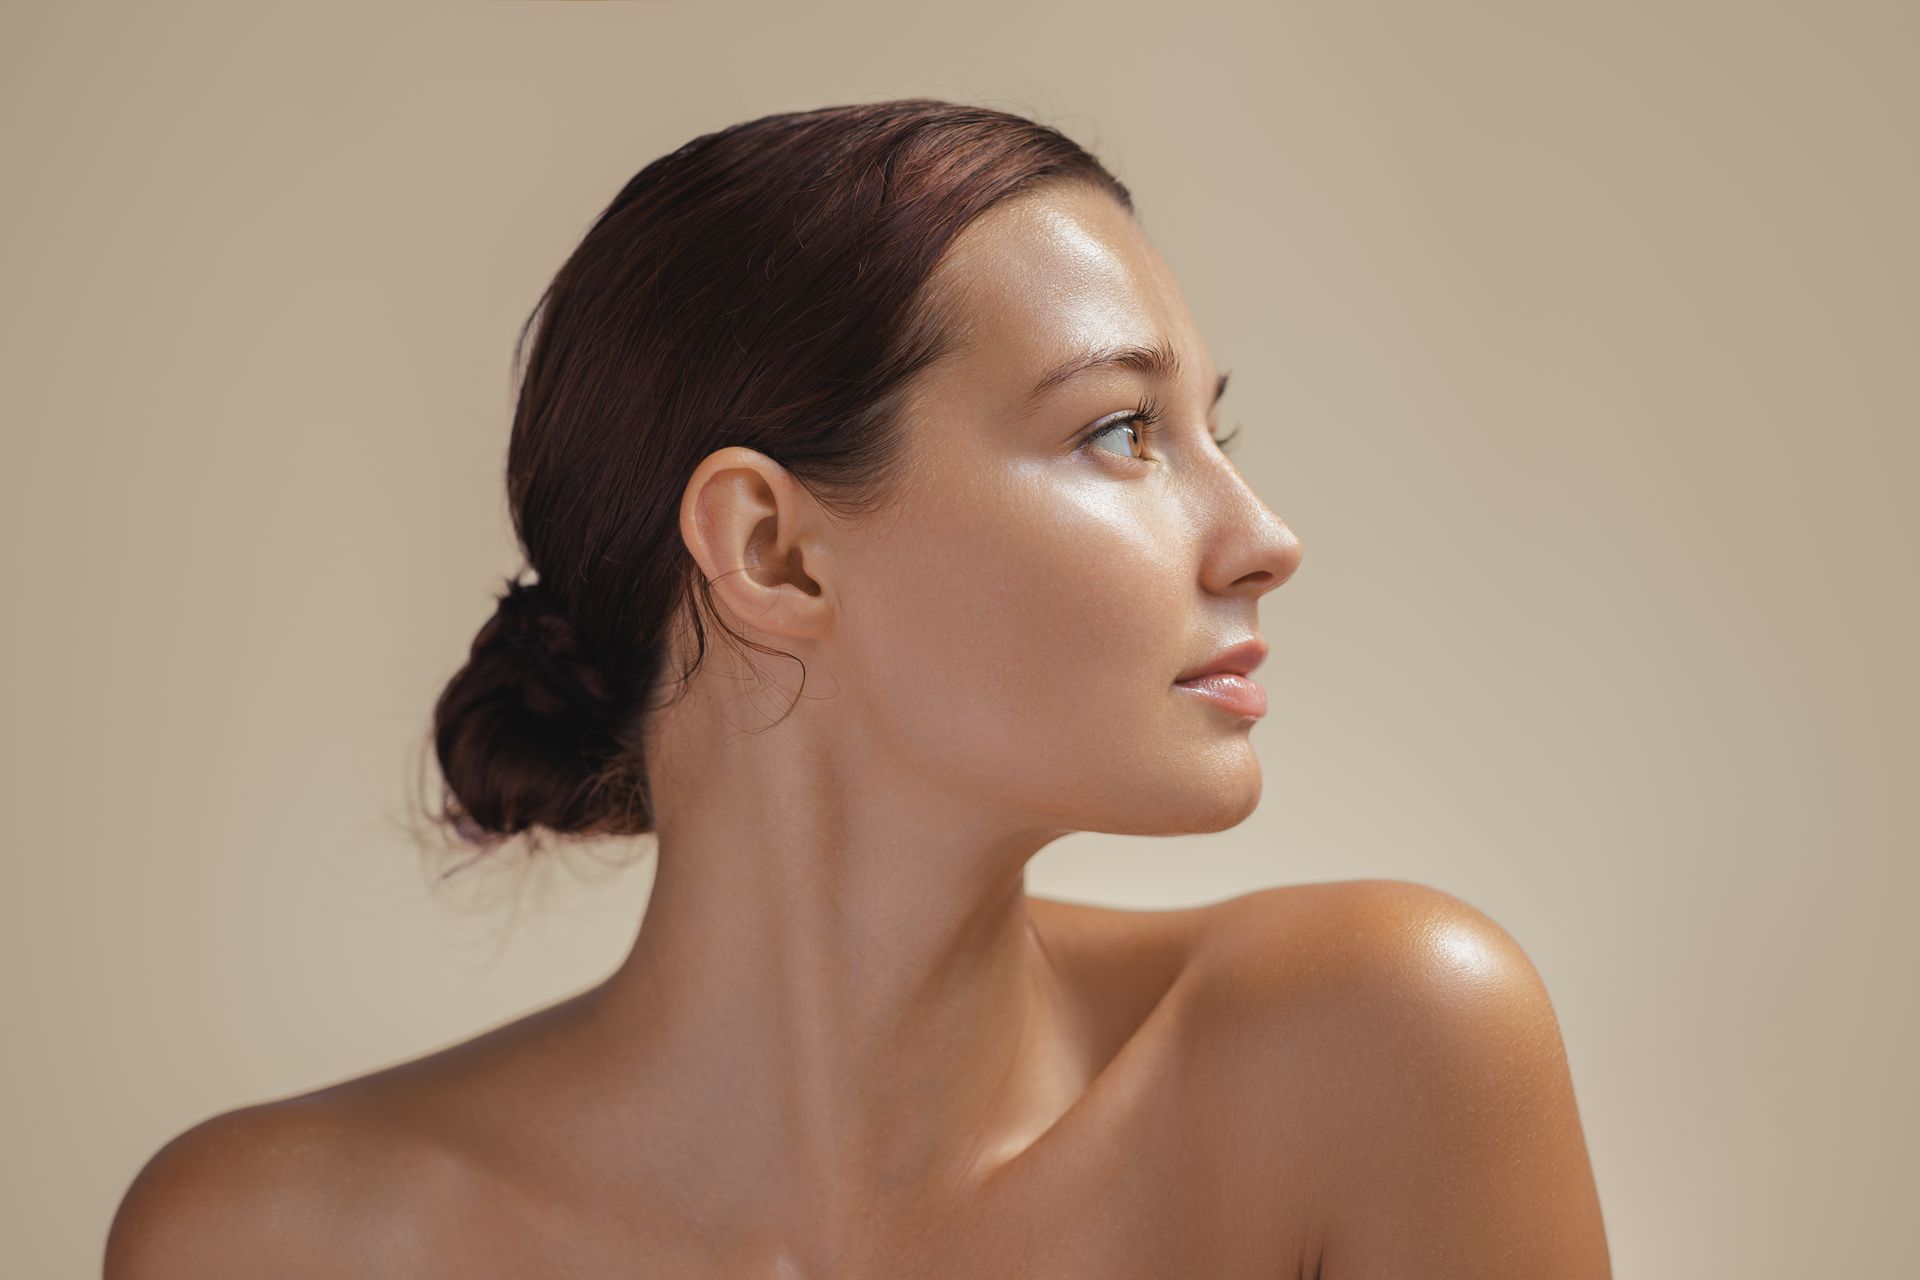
[[1032, 632]]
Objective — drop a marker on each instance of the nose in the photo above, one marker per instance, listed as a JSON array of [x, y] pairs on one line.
[[1253, 551]]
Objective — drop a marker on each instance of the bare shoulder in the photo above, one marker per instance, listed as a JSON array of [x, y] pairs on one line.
[[326, 1184], [1346, 974], [1404, 1039], [1281, 953], [253, 1191], [1344, 936], [383, 1173]]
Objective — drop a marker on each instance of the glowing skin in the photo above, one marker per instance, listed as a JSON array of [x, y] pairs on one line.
[[846, 1042]]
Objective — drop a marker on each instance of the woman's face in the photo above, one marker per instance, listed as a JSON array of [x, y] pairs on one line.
[[1014, 627]]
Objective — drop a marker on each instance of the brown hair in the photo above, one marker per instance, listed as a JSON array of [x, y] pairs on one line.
[[761, 286]]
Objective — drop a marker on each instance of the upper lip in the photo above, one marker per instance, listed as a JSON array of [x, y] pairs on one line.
[[1240, 659]]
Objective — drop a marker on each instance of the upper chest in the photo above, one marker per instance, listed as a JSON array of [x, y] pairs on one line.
[[1171, 1163], [1147, 1180]]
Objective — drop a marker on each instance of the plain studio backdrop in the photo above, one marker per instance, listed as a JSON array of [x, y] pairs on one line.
[[1577, 342]]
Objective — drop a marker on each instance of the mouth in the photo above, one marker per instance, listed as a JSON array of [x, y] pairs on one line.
[[1238, 659], [1229, 690]]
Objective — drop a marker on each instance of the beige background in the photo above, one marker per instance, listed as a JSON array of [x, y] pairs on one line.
[[1576, 341]]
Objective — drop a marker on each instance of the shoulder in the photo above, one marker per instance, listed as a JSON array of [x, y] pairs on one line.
[[1355, 937], [1407, 1040], [302, 1187], [1268, 963], [239, 1193], [1373, 989]]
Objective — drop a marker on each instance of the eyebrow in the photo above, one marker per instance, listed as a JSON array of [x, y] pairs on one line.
[[1158, 360]]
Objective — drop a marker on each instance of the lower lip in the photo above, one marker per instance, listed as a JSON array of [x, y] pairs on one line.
[[1235, 693]]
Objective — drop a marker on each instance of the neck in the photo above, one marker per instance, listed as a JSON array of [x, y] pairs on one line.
[[830, 1017]]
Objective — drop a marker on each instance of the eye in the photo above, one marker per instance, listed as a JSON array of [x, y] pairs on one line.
[[1138, 423], [1141, 422]]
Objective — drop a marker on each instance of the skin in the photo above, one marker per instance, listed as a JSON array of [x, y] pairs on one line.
[[846, 1042]]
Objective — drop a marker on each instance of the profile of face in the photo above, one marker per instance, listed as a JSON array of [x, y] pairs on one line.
[[1010, 631]]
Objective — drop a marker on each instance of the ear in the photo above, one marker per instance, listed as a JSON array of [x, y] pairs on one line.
[[755, 533]]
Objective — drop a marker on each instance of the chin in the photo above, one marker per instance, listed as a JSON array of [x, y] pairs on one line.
[[1217, 807]]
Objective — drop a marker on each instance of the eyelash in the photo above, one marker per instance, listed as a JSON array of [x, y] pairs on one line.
[[1145, 418]]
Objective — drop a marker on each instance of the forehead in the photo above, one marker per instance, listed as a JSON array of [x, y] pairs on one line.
[[1045, 276]]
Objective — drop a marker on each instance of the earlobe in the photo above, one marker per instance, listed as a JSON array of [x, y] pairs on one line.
[[748, 525]]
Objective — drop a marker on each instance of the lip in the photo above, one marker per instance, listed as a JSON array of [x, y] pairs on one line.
[[1230, 690], [1223, 679], [1239, 660]]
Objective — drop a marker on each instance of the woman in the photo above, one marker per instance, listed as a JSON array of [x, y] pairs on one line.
[[899, 398]]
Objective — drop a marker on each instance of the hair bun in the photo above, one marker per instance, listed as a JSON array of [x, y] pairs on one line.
[[526, 731], [536, 630]]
